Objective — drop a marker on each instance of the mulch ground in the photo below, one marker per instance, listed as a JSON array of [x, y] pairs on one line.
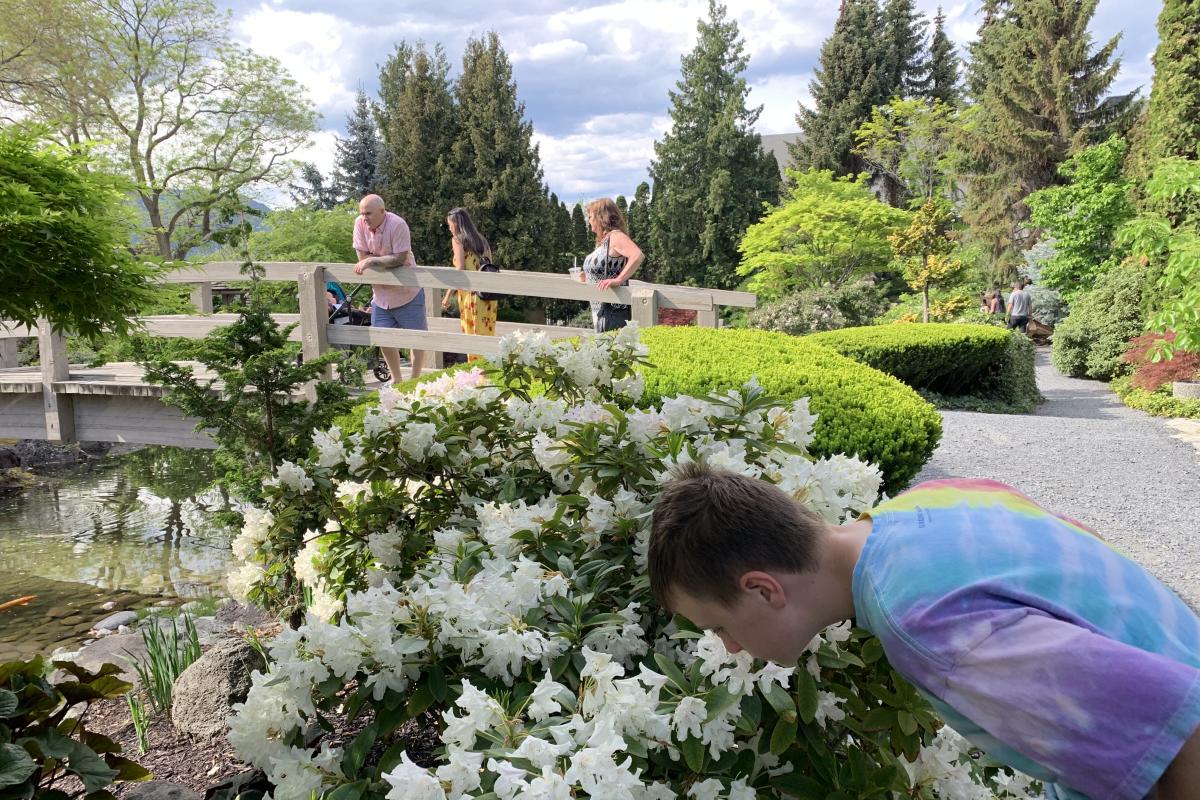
[[199, 765]]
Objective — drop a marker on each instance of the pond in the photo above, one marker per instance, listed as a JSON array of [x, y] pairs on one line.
[[119, 533]]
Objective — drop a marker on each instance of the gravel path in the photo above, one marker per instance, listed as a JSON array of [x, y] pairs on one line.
[[1085, 454]]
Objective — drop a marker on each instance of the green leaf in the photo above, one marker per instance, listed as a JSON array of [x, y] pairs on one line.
[[781, 701], [783, 736], [89, 767], [806, 695], [16, 765], [347, 791], [717, 701], [908, 723], [356, 753], [879, 719], [672, 671], [872, 650], [127, 770], [693, 753], [420, 700], [8, 704], [799, 785], [437, 683]]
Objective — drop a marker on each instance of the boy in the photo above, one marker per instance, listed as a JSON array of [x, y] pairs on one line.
[[1030, 635]]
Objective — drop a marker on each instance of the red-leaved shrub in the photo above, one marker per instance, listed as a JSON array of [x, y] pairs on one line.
[[1152, 375], [676, 316]]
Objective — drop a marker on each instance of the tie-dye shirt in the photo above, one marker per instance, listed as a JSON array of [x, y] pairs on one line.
[[1035, 639]]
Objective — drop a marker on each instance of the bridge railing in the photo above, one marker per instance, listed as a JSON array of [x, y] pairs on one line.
[[316, 335]]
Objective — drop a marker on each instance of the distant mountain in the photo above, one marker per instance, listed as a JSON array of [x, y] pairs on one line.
[[169, 206]]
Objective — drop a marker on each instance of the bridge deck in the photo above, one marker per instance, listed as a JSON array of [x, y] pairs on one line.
[[118, 379], [112, 403]]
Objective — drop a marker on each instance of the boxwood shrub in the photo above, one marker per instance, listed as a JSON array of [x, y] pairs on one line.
[[940, 357], [861, 411], [976, 367]]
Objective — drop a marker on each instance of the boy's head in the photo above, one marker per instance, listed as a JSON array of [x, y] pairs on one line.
[[721, 549]]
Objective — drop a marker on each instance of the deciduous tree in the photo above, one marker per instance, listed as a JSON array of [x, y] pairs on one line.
[[827, 231], [64, 240], [925, 248], [194, 119]]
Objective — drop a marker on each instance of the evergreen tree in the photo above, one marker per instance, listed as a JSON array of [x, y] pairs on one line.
[[1040, 87], [356, 168], [941, 81], [622, 206], [905, 68], [419, 110], [496, 160], [581, 236], [1172, 123], [639, 228], [311, 190], [849, 82], [711, 174]]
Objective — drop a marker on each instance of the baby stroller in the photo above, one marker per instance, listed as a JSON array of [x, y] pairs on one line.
[[343, 312]]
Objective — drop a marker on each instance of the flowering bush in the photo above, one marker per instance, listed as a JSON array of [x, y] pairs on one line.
[[474, 559]]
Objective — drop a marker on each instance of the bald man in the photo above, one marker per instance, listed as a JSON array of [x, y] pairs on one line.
[[383, 241]]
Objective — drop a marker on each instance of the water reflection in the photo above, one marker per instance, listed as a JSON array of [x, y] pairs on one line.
[[143, 521]]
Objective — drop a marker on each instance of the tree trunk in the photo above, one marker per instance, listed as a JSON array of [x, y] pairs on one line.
[[925, 303]]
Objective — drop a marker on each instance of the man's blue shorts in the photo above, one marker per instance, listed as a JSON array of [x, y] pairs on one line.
[[411, 315]]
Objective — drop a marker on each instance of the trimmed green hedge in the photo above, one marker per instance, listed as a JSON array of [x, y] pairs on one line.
[[953, 365], [947, 358], [1160, 404], [861, 411]]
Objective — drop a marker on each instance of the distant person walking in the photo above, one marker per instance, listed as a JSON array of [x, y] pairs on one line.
[[1019, 307], [614, 260], [475, 315], [383, 241]]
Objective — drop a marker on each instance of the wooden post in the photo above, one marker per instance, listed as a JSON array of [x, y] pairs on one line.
[[314, 319], [707, 318], [645, 306], [9, 350], [202, 298], [60, 409], [433, 308]]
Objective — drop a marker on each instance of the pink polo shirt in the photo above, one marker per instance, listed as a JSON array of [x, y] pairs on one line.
[[389, 238]]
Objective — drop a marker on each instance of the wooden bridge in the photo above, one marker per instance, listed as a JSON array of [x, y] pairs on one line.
[[62, 402]]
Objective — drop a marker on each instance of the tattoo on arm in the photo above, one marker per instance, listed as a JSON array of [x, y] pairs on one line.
[[387, 262]]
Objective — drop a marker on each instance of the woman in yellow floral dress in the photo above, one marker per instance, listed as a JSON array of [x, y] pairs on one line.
[[470, 248]]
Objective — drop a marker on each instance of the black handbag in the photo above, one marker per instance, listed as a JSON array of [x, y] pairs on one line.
[[486, 265]]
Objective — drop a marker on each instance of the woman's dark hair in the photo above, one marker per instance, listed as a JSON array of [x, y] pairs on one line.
[[468, 235]]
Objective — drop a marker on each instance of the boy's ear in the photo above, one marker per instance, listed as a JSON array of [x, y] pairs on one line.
[[765, 587]]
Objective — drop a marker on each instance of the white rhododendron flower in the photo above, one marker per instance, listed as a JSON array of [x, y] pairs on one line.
[[474, 562]]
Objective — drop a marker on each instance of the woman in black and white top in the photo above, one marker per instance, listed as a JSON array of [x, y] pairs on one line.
[[614, 260]]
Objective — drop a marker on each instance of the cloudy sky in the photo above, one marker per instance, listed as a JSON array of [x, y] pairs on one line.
[[594, 76]]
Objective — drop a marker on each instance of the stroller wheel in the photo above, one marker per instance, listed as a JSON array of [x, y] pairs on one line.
[[381, 371]]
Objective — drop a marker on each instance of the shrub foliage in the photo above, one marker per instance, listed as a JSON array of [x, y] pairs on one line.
[[1090, 342], [475, 560], [859, 410]]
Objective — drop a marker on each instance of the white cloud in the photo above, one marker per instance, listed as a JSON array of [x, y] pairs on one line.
[[312, 46], [606, 155], [321, 150], [555, 50], [594, 74], [780, 96]]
